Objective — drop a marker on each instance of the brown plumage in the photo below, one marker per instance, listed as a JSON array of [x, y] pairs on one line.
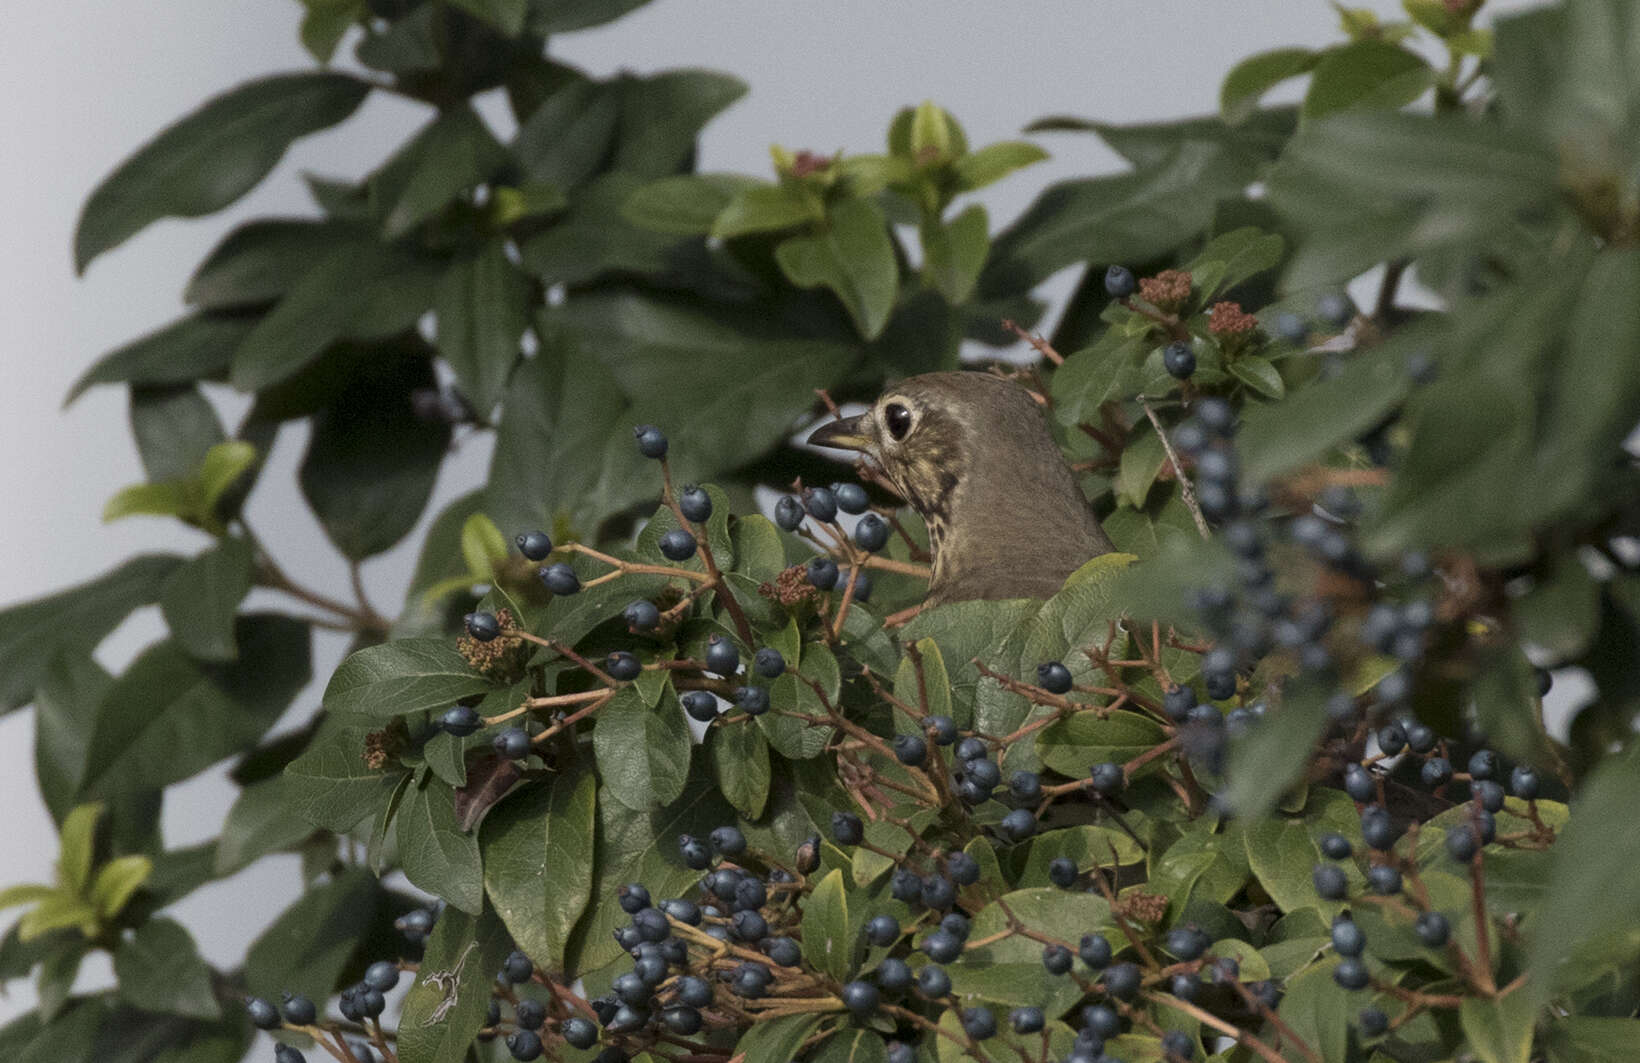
[[973, 455]]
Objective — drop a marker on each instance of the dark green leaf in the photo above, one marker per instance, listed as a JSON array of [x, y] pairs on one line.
[[439, 562], [562, 16], [308, 947], [740, 758], [332, 786], [1232, 258], [409, 675], [1317, 1011], [663, 114], [451, 154], [261, 820], [826, 942], [202, 597], [174, 427], [643, 753], [505, 15], [446, 1004], [853, 257], [567, 137], [1076, 742], [594, 237], [1251, 78], [1562, 610], [371, 462], [212, 157], [65, 706], [954, 253], [159, 969], [325, 23], [685, 205], [1590, 1038], [434, 852], [1010, 971], [1142, 461], [483, 309], [1506, 706], [1259, 375], [762, 208], [257, 262], [539, 860], [1499, 1030], [777, 1040], [170, 716], [1322, 415], [1366, 73], [192, 348], [1271, 758]]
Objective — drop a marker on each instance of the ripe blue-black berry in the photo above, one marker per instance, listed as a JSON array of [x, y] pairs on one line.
[[1018, 825], [900, 1052], [943, 729], [642, 615], [938, 893], [750, 893], [984, 773], [651, 924], [1330, 883], [1335, 309], [788, 513], [382, 975], [1267, 991], [1358, 783], [1185, 986], [482, 626], [348, 1004], [1056, 959], [1095, 951], [461, 720], [1392, 738], [1062, 872], [695, 503], [728, 840], [721, 656], [1186, 942], [628, 1018], [1384, 879], [1432, 929], [682, 1021], [695, 855], [1347, 938], [560, 579], [979, 1023], [971, 748], [1026, 1019], [1102, 1021], [753, 701], [910, 749], [1421, 738], [1436, 771], [1179, 360], [871, 533], [700, 705], [517, 967], [821, 573], [651, 443], [1483, 764], [750, 926], [821, 504], [1120, 282], [1107, 778], [862, 586], [860, 997], [415, 924], [1216, 415], [524, 1045], [287, 1054], [784, 951], [1025, 786], [693, 991], [1461, 842], [893, 974], [1372, 1022], [299, 1010], [1190, 437], [904, 885], [851, 498], [1178, 701], [1489, 794], [535, 545], [933, 981], [530, 1014], [1178, 1046], [1122, 980], [882, 930], [623, 666], [1523, 782], [678, 545], [846, 828], [1377, 829], [1335, 846], [1351, 973], [263, 1014], [768, 662], [1054, 677], [1220, 685]]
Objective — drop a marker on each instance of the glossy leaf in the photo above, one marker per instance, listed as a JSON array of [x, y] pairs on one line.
[[202, 597], [311, 943], [331, 784], [451, 154], [260, 821], [65, 705], [1251, 78], [483, 309], [853, 257], [409, 675], [447, 1001], [434, 852], [159, 969], [643, 753], [538, 863], [826, 943]]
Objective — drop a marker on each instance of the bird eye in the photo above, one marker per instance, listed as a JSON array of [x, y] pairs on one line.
[[898, 420]]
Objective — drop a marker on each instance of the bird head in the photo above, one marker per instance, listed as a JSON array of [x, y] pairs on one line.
[[972, 454]]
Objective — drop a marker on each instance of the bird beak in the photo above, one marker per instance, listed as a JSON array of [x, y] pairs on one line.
[[846, 434]]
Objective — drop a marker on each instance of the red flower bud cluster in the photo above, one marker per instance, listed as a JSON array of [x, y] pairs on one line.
[[1168, 290]]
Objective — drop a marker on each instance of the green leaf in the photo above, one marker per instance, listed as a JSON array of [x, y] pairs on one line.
[[170, 716], [260, 822], [451, 154], [740, 759], [954, 253], [325, 23], [1317, 1011], [332, 787], [853, 1046], [1234, 257], [202, 597], [643, 753], [191, 348], [798, 739], [932, 132], [1590, 1039], [26, 893], [483, 309], [1562, 610], [1251, 78], [58, 911], [1071, 745], [446, 1004], [1499, 1030], [483, 547], [993, 162], [777, 1040], [309, 946], [826, 943], [685, 205], [65, 704], [505, 15], [662, 116], [1591, 891], [76, 844], [1322, 415], [538, 862], [116, 881], [434, 852], [1257, 373], [1010, 971], [409, 675], [72, 621], [566, 139], [173, 428], [1141, 462], [159, 969], [1271, 757], [762, 208], [1282, 855], [386, 288], [853, 257], [371, 462], [257, 262], [212, 157], [1366, 73]]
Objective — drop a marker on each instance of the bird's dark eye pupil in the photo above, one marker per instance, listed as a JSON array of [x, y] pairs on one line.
[[898, 419]]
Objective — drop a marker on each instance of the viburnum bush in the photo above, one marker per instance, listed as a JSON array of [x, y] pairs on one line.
[[638, 773]]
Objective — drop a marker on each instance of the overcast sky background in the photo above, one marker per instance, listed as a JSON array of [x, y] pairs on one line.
[[86, 82]]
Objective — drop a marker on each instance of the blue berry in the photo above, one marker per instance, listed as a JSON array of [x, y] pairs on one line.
[[695, 503], [984, 774], [1335, 309], [1095, 951], [1027, 1020], [1432, 929], [753, 701], [652, 926], [299, 1010], [623, 666], [910, 749], [1461, 842], [1178, 1045], [933, 981], [560, 579], [1179, 360], [871, 533], [482, 626], [534, 545], [524, 1045], [511, 744], [941, 946], [938, 893], [971, 748], [1335, 846], [1358, 783], [1351, 973], [963, 868], [1186, 942], [1026, 787], [1483, 764], [1018, 825], [700, 705], [1102, 1021], [860, 997], [415, 925], [979, 1023], [900, 1052], [882, 930], [788, 513], [1107, 778], [862, 586], [651, 443], [728, 840], [750, 926], [642, 615], [1054, 677], [904, 885], [695, 855], [1523, 782], [1120, 282], [1437, 771], [1062, 872], [678, 545], [851, 498], [943, 729], [1330, 883], [1384, 879], [1372, 1022], [1420, 737], [1392, 738], [517, 968], [529, 1014], [847, 829], [461, 721], [1377, 829], [821, 504], [1489, 794], [287, 1054], [1217, 416], [1056, 959], [1178, 701], [822, 573], [893, 974], [768, 662], [382, 975], [721, 656], [1291, 328], [633, 897], [693, 991], [1347, 938], [682, 1021], [1122, 980], [1185, 986], [784, 951]]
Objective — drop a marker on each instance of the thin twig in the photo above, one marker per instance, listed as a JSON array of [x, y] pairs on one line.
[[1187, 492]]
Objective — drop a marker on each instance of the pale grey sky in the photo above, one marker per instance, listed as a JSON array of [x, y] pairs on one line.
[[87, 81]]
